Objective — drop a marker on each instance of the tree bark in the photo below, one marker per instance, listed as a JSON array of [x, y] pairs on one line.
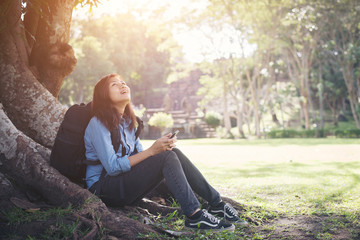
[[28, 104], [30, 116], [321, 97], [51, 54], [252, 80], [26, 162]]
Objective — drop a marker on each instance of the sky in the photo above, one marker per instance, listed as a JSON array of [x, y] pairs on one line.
[[197, 45]]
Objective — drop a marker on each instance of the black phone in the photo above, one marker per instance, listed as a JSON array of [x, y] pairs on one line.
[[174, 134]]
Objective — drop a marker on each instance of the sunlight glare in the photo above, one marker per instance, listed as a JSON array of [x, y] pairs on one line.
[[198, 44]]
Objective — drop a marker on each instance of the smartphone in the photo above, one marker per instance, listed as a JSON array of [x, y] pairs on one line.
[[174, 134]]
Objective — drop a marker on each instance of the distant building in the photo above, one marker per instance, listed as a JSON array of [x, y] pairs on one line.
[[181, 101]]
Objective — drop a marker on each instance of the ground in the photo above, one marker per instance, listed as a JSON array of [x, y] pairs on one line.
[[292, 189]]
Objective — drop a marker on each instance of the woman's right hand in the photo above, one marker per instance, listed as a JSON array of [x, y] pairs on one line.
[[163, 144]]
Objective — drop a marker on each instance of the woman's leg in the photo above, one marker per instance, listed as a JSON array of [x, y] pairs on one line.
[[197, 181], [128, 187]]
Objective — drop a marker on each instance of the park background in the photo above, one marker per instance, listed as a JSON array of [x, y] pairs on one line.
[[282, 69], [265, 95]]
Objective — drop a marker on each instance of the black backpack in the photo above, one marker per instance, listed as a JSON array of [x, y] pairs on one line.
[[68, 152]]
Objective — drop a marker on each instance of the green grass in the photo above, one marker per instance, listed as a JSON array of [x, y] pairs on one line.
[[308, 186], [54, 219], [279, 178], [17, 215]]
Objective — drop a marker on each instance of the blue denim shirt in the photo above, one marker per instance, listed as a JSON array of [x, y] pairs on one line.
[[98, 146]]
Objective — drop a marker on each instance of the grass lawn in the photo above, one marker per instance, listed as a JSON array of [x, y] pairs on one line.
[[301, 189], [296, 188]]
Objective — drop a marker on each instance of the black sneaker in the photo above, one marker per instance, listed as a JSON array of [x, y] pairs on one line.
[[226, 211], [208, 222]]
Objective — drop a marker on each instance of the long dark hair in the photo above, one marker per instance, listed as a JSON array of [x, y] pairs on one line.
[[103, 108]]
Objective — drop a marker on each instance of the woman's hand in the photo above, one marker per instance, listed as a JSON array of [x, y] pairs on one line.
[[163, 144]]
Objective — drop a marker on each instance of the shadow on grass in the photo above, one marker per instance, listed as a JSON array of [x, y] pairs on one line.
[[329, 190], [322, 185]]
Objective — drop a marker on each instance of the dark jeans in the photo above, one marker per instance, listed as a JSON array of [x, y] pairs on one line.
[[181, 177]]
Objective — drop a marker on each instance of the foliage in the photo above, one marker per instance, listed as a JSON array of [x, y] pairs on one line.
[[134, 51], [139, 111], [301, 42], [311, 133], [213, 119], [222, 133], [272, 43], [161, 120], [91, 58]]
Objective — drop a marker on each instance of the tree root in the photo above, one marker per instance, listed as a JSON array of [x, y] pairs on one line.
[[156, 208], [90, 235]]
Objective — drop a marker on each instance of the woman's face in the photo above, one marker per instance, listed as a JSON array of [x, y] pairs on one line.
[[119, 92]]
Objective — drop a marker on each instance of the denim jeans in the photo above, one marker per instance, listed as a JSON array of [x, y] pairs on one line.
[[181, 177]]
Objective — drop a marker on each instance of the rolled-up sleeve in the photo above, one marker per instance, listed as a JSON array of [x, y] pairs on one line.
[[99, 147]]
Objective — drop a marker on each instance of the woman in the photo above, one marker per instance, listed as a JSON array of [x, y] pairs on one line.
[[131, 176]]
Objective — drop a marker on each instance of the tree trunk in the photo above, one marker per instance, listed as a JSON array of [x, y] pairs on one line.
[[26, 161], [296, 70], [252, 85], [227, 123], [30, 115], [51, 56], [31, 76], [347, 71], [308, 92], [240, 121], [321, 97], [28, 104]]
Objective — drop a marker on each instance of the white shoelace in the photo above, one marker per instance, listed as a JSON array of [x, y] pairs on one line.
[[230, 208], [210, 217]]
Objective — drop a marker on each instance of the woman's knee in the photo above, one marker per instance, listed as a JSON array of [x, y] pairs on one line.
[[172, 158], [177, 151], [164, 158], [182, 158]]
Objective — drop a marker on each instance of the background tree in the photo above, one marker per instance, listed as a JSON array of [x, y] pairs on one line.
[[136, 51], [343, 41], [92, 63], [304, 35]]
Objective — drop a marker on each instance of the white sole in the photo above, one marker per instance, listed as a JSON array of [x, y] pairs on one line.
[[229, 229]]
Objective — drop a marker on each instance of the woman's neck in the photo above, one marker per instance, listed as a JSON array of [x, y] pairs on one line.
[[120, 109]]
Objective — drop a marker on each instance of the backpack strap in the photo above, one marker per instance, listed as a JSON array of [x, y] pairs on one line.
[[116, 140], [138, 131], [139, 128]]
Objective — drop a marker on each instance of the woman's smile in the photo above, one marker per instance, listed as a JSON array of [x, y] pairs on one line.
[[119, 92]]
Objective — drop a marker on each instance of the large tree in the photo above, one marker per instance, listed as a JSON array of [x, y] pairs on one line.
[[34, 59], [35, 56]]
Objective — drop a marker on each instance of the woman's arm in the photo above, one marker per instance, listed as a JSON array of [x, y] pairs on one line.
[[161, 145], [99, 146]]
